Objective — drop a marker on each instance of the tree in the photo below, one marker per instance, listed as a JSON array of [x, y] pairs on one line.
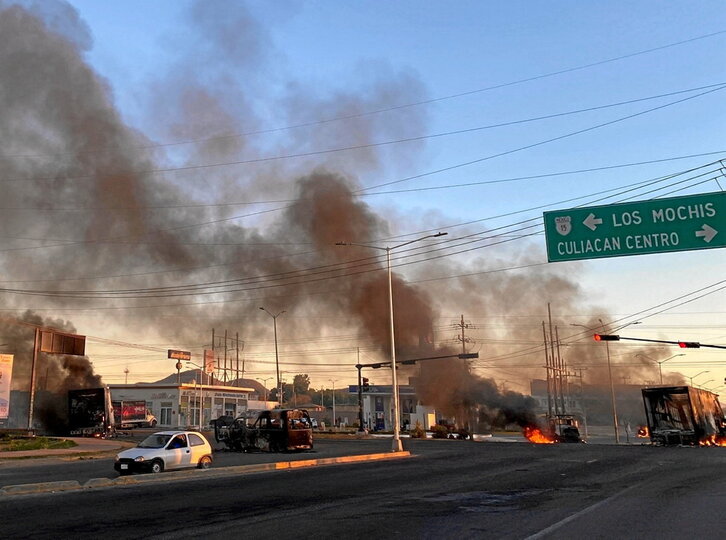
[[301, 384]]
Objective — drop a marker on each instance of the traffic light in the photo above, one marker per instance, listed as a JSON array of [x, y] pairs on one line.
[[689, 344], [606, 337], [365, 386]]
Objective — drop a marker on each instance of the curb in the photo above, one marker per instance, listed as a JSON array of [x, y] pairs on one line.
[[94, 483]]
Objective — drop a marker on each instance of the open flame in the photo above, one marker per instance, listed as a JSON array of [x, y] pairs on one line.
[[535, 435], [713, 440], [643, 432]]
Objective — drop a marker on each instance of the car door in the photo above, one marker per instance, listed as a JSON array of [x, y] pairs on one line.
[[198, 446], [178, 454]]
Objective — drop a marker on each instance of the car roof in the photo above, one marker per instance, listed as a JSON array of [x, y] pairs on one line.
[[175, 432]]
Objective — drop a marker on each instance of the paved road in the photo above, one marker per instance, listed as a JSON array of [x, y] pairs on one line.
[[82, 468], [451, 489]]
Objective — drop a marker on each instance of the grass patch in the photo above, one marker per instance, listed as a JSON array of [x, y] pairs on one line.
[[17, 444]]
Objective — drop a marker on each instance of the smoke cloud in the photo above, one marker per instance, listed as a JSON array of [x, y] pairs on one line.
[[92, 204]]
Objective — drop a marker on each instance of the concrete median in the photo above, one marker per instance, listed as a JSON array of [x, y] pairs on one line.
[[192, 474], [41, 487]]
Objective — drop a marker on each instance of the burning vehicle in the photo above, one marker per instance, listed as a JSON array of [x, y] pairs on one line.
[[683, 415], [278, 430], [561, 428]]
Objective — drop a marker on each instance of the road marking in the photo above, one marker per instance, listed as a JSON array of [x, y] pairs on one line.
[[591, 222], [707, 233], [554, 527]]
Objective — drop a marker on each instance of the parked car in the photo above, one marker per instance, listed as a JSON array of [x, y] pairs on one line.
[[166, 450]]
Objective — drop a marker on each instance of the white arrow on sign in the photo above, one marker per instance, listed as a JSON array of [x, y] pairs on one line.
[[707, 233], [591, 222]]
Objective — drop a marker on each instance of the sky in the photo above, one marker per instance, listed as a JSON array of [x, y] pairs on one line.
[[463, 117]]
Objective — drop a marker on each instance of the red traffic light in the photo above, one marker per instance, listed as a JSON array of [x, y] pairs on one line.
[[689, 344], [606, 337]]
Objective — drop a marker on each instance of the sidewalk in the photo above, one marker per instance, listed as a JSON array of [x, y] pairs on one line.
[[85, 445]]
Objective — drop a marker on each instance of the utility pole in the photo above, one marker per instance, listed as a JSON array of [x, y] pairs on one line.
[[562, 373], [547, 370], [236, 343], [225, 359], [552, 356], [464, 340]]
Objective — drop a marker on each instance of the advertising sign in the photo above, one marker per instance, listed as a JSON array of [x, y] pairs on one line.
[[6, 375], [178, 355], [54, 342]]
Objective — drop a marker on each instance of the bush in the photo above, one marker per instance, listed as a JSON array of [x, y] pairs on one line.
[[418, 432], [439, 432]]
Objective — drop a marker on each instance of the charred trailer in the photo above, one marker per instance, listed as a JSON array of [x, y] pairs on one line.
[[683, 415], [278, 430], [90, 413]]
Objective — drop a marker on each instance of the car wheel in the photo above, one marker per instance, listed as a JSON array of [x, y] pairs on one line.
[[153, 423], [157, 466], [204, 462]]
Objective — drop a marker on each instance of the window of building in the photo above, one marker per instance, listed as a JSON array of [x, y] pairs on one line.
[[165, 413]]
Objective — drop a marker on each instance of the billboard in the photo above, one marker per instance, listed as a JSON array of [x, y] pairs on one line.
[[6, 375], [55, 342]]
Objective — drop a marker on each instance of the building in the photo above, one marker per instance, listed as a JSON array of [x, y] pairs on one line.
[[178, 405], [378, 408]]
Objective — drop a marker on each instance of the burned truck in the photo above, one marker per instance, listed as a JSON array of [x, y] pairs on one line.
[[90, 413], [278, 430], [683, 415]]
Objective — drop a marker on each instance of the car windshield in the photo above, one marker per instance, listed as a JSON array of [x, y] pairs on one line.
[[157, 440]]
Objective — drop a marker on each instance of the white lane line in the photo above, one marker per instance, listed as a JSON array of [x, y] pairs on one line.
[[582, 512]]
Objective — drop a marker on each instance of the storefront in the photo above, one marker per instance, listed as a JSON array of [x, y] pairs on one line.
[[378, 408], [179, 405]]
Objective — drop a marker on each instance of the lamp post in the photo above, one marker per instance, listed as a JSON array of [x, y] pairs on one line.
[[706, 382], [264, 382], [696, 375], [277, 357], [334, 417], [397, 446], [659, 362]]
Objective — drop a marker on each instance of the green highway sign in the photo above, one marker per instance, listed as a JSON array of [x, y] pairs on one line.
[[637, 228]]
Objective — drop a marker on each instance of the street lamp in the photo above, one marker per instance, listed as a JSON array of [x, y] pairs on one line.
[[277, 358], [334, 417], [264, 382], [659, 362], [705, 383], [696, 375], [397, 446]]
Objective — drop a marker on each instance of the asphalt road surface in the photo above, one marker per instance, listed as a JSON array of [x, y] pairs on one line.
[[83, 469], [450, 489]]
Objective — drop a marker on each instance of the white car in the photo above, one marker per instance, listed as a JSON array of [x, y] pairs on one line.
[[166, 450]]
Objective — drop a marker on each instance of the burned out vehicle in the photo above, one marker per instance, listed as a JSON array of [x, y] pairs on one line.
[[277, 430], [564, 428], [683, 415]]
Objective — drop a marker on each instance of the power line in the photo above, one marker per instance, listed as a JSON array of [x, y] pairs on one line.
[[395, 141], [630, 188], [426, 101]]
